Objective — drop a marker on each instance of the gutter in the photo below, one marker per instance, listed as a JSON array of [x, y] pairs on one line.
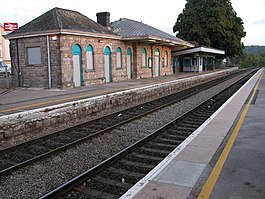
[[61, 31], [154, 39]]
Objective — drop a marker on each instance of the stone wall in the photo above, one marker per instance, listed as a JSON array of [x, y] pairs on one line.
[[61, 60], [35, 75], [50, 118]]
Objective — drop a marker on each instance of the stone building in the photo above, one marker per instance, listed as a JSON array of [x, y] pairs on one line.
[[4, 47], [65, 49]]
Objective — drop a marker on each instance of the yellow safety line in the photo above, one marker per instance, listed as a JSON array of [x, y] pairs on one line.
[[209, 185]]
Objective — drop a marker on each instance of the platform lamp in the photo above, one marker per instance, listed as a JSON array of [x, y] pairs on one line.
[[54, 37]]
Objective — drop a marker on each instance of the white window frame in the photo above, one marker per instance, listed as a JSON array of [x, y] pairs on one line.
[[90, 59], [144, 58], [118, 58], [166, 59]]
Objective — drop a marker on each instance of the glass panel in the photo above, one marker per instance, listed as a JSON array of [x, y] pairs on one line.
[[107, 51], [89, 57], [129, 51], [34, 55], [166, 59], [118, 59], [144, 60]]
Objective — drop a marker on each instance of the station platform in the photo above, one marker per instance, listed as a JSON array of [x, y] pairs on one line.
[[223, 158], [24, 99]]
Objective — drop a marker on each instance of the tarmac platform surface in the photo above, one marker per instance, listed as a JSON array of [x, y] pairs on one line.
[[243, 174]]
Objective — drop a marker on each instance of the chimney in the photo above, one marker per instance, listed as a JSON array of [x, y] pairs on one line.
[[103, 18]]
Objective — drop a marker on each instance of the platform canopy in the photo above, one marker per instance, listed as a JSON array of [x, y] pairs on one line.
[[198, 49]]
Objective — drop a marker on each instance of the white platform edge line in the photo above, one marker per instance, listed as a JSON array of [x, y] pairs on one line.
[[153, 173]]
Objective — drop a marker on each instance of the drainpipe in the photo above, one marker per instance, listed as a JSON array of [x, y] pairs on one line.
[[49, 63], [152, 54], [18, 66]]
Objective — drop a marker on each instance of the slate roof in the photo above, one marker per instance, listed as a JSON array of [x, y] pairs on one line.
[[129, 28], [59, 18]]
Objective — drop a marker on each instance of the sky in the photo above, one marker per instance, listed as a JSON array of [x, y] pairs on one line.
[[159, 14]]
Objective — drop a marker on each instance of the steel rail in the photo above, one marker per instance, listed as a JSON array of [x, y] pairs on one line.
[[66, 146], [80, 179]]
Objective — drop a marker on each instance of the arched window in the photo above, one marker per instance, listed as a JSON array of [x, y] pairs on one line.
[[89, 57], [166, 59], [144, 58], [119, 61]]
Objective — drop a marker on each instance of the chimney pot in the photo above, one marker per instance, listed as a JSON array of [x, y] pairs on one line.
[[103, 18]]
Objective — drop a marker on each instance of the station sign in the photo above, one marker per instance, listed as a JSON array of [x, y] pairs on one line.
[[10, 26]]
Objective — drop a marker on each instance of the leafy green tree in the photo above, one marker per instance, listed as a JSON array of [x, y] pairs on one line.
[[250, 60], [212, 23]]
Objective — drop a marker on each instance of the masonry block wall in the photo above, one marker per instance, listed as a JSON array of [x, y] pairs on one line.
[[50, 118], [147, 71], [35, 75], [61, 61], [97, 75]]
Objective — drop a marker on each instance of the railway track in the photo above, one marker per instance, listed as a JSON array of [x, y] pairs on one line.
[[113, 177], [14, 158]]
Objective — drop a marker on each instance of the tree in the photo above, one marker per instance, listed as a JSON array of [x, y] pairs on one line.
[[250, 60], [212, 23]]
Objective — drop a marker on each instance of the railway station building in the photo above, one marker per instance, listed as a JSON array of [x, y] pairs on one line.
[[197, 59], [65, 49]]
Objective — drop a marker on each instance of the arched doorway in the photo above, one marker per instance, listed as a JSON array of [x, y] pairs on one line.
[[107, 64], [129, 63], [77, 65], [157, 63]]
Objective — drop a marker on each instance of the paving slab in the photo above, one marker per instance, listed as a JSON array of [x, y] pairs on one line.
[[158, 190], [180, 173], [196, 154], [208, 141]]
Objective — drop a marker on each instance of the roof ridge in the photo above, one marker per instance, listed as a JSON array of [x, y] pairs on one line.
[[57, 18], [60, 18]]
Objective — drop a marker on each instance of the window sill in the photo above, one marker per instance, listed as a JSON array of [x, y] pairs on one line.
[[90, 70]]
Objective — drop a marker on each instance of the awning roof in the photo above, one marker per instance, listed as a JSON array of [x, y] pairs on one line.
[[198, 49]]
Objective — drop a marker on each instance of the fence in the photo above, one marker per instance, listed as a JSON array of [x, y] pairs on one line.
[[5, 81]]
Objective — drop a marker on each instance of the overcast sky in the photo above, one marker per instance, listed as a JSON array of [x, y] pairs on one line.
[[159, 14]]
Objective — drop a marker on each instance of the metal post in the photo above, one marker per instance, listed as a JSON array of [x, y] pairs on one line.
[[7, 77], [49, 63]]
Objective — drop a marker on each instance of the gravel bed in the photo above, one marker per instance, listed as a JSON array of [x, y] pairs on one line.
[[40, 178]]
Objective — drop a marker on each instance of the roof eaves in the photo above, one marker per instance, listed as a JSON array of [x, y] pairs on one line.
[[91, 34], [61, 31], [198, 49]]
